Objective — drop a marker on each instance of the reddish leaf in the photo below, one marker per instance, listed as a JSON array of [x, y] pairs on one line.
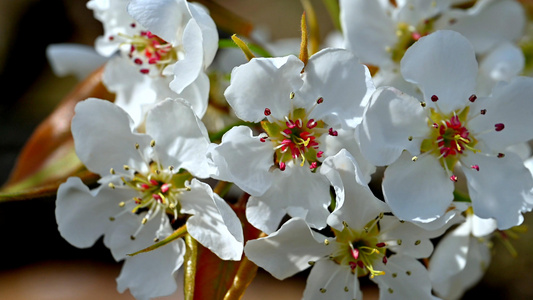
[[52, 138]]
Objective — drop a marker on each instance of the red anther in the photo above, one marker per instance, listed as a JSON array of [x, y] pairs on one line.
[[320, 100], [133, 25], [472, 98], [144, 71], [453, 178], [290, 124], [311, 124], [416, 36], [360, 264], [138, 61], [154, 182], [267, 112], [435, 125], [475, 167], [143, 33], [319, 154], [455, 123], [132, 49], [287, 131], [381, 245], [165, 187], [355, 253], [501, 155], [111, 37], [384, 260], [153, 60], [282, 166], [313, 165], [434, 98], [299, 123], [138, 200], [145, 186], [499, 126], [157, 197], [262, 139], [333, 132], [483, 111], [353, 265]]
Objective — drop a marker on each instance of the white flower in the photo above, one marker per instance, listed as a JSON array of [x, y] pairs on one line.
[[391, 28], [461, 257], [165, 47], [450, 127], [146, 181], [365, 238], [299, 112]]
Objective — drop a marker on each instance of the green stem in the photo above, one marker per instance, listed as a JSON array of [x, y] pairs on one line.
[[190, 266]]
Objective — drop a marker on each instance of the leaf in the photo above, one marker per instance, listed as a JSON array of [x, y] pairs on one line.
[[47, 157]]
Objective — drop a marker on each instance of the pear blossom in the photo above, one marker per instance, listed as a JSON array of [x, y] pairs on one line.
[[450, 128], [165, 47], [365, 238], [461, 258], [300, 113], [147, 186], [391, 27]]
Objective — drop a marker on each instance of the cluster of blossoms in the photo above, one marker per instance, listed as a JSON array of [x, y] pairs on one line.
[[446, 118]]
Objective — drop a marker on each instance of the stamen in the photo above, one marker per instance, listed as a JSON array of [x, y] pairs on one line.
[[499, 126], [472, 98], [434, 98], [267, 112]]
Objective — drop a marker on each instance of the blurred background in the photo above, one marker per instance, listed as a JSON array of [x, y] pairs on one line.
[[36, 262]]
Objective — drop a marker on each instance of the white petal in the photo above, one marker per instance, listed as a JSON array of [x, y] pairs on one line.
[[510, 104], [355, 202], [390, 120], [186, 70], [209, 31], [405, 278], [497, 22], [264, 83], [133, 90], [442, 64], [73, 59], [83, 215], [302, 193], [345, 140], [164, 18], [181, 138], [197, 94], [335, 279], [417, 190], [128, 235], [104, 137], [213, 223], [243, 160], [483, 227], [152, 274], [499, 188], [343, 83], [288, 250], [379, 30], [264, 216]]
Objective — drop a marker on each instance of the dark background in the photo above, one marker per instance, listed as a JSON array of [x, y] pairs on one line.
[[36, 263]]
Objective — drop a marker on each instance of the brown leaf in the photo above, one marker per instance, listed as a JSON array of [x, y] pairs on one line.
[[52, 138]]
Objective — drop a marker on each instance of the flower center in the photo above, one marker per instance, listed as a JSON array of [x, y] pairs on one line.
[[158, 189], [148, 51], [296, 137], [360, 249], [449, 136], [408, 35]]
